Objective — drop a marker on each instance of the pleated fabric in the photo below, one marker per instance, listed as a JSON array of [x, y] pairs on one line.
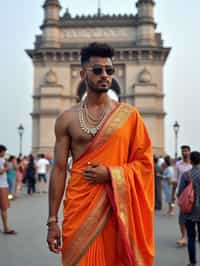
[[103, 251]]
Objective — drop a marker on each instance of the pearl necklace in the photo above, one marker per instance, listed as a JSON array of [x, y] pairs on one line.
[[85, 116]]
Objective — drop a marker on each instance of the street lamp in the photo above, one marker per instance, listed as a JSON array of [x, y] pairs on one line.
[[176, 127], [21, 132]]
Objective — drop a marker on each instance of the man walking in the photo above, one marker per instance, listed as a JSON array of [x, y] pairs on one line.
[[109, 202], [4, 202], [181, 167], [42, 169]]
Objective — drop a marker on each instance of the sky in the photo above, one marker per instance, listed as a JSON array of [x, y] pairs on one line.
[[177, 20]]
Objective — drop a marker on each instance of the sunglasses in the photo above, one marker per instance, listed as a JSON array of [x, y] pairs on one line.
[[98, 70]]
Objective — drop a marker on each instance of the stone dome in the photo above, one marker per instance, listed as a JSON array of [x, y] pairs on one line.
[[51, 78], [145, 76]]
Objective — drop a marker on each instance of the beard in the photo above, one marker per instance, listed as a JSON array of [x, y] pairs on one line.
[[91, 86]]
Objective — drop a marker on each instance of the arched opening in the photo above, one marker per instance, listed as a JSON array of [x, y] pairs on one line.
[[114, 91]]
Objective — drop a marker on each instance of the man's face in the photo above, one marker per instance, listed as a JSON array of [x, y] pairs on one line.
[[98, 74], [185, 153]]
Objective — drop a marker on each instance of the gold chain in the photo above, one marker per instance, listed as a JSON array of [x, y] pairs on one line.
[[87, 126]]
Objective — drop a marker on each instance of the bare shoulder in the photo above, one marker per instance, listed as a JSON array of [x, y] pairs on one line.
[[64, 119], [68, 114]]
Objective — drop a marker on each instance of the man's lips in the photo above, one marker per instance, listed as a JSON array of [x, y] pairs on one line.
[[103, 82]]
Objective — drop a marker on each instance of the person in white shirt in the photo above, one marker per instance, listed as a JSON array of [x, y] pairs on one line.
[[4, 202], [42, 169]]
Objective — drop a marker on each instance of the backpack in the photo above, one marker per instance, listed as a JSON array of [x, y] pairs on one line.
[[186, 198]]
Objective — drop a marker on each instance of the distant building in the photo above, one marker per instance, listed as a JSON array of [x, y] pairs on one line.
[[139, 60]]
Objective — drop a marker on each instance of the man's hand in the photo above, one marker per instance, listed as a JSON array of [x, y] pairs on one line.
[[96, 174], [54, 238]]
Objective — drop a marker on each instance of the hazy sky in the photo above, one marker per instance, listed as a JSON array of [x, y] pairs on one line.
[[177, 20]]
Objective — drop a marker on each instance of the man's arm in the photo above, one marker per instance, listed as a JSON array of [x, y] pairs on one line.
[[57, 182]]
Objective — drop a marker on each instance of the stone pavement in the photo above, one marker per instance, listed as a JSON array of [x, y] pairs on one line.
[[28, 216]]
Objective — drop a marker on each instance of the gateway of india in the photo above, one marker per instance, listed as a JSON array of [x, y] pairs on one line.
[[139, 60]]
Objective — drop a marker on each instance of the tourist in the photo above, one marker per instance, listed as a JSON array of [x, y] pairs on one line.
[[31, 175], [11, 175], [19, 176], [4, 202], [158, 184], [42, 169], [192, 220], [109, 204], [168, 174], [181, 167]]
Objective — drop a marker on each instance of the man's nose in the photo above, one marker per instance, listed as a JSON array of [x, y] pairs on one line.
[[104, 73]]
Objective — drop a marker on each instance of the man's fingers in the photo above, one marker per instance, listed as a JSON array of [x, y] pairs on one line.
[[54, 246], [91, 180], [89, 173], [58, 242]]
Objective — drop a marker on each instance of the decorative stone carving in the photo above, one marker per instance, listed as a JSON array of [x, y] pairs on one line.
[[71, 35], [75, 73], [145, 76], [51, 78], [120, 73]]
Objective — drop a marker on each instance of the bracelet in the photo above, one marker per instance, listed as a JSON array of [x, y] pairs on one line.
[[52, 219]]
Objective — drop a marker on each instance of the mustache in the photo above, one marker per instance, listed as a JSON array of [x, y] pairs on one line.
[[103, 80]]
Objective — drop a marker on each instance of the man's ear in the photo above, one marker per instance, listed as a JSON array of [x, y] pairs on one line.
[[82, 74]]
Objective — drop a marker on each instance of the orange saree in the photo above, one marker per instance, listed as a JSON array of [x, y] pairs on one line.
[[112, 224]]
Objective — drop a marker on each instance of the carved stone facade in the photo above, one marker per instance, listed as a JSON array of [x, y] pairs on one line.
[[139, 60]]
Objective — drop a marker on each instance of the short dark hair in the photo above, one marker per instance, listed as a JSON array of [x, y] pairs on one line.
[[167, 160], [11, 158], [195, 157], [2, 148], [96, 49], [185, 147]]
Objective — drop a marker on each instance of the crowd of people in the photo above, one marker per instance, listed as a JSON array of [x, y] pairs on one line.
[[172, 176], [28, 174], [27, 171]]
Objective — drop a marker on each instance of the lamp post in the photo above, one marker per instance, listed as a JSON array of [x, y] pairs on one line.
[[176, 127], [21, 132]]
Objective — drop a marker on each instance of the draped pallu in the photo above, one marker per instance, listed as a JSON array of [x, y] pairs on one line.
[[112, 224]]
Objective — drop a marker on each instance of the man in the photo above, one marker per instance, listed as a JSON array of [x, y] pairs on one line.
[[192, 219], [181, 167], [42, 168], [109, 202], [4, 202]]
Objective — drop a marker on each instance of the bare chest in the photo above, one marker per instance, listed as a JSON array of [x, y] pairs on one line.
[[78, 137]]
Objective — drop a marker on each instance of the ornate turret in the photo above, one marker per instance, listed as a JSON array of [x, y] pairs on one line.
[[50, 26], [146, 25]]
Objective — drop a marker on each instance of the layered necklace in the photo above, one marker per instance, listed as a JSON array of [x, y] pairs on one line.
[[88, 122]]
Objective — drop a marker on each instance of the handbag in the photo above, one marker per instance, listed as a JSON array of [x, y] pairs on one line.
[[186, 198]]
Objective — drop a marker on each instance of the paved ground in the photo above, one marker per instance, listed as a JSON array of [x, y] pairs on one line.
[[28, 248]]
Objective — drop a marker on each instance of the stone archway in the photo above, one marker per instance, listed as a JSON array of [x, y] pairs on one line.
[[114, 91]]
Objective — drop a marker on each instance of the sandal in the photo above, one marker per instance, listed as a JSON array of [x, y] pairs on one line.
[[10, 232], [181, 243]]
